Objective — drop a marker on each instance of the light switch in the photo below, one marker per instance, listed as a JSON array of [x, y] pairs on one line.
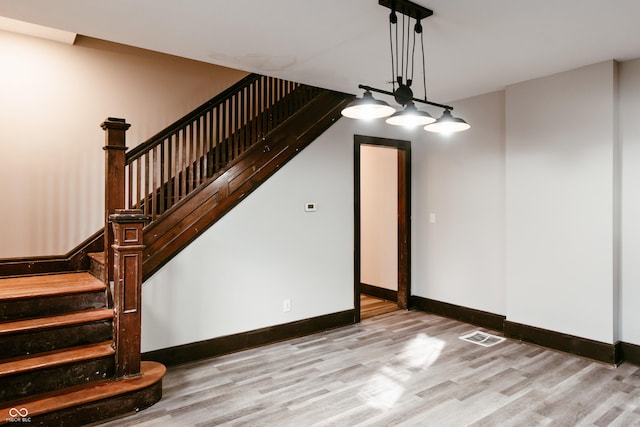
[[432, 218], [310, 207]]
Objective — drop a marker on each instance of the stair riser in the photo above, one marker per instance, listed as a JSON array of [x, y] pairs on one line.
[[21, 344], [48, 306], [96, 268], [30, 383], [122, 405]]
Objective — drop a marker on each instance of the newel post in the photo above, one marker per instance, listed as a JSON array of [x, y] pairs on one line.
[[127, 289], [114, 183]]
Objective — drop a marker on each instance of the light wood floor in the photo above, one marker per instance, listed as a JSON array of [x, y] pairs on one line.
[[401, 368], [371, 306]]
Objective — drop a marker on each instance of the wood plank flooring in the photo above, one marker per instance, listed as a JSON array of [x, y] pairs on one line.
[[372, 306], [401, 368]]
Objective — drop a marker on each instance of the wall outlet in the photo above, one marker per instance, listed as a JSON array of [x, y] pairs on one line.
[[286, 305]]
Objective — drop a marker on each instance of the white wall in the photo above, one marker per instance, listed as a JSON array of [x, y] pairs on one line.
[[459, 259], [235, 277], [379, 216], [560, 211], [629, 96], [53, 98]]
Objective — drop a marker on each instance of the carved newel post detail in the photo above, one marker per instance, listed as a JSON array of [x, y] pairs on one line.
[[114, 190], [127, 289]]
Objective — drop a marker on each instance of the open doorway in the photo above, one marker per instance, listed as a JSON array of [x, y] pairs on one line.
[[382, 225]]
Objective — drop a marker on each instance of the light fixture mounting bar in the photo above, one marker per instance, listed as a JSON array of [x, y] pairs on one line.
[[407, 8], [422, 101]]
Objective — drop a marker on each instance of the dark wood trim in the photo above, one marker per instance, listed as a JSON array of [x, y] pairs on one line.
[[404, 225], [357, 232], [404, 216], [245, 340], [596, 350], [378, 292], [463, 314], [127, 289], [75, 260], [602, 352], [629, 352]]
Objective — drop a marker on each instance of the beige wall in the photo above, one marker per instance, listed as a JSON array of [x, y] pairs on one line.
[[379, 216], [53, 98]]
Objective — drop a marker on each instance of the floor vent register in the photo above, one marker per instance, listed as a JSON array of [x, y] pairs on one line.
[[482, 338]]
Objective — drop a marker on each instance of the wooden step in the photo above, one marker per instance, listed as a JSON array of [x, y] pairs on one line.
[[89, 403], [44, 334], [14, 288], [38, 296], [56, 321], [28, 375], [55, 358]]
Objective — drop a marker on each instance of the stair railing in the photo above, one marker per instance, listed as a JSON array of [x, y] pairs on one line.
[[144, 183], [171, 165]]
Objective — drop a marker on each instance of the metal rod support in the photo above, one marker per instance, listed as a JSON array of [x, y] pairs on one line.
[[422, 101]]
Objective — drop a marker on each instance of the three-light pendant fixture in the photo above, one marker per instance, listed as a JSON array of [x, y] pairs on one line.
[[402, 65]]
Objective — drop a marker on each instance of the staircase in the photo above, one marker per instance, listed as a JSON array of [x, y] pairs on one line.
[[57, 354], [69, 344]]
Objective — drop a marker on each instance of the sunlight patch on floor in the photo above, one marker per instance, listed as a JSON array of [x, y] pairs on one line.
[[385, 387]]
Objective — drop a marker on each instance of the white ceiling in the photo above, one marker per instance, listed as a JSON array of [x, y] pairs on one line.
[[472, 46]]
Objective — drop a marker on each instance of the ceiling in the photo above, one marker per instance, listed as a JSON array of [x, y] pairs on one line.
[[472, 46]]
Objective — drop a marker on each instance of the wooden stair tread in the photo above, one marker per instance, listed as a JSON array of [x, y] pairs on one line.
[[97, 256], [56, 358], [74, 318], [151, 373], [14, 288]]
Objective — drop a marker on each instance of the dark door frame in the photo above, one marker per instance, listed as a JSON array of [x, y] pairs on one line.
[[404, 217]]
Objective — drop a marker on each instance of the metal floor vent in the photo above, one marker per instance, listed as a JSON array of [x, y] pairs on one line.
[[482, 338]]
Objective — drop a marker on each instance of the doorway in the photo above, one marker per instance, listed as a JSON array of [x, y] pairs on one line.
[[399, 189]]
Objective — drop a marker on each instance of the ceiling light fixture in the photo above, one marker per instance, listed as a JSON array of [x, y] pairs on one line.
[[402, 65]]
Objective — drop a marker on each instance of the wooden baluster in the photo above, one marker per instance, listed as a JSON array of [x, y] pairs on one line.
[[139, 199], [218, 139], [254, 114], [127, 292], [162, 188], [241, 106], [260, 98], [131, 203], [224, 123], [183, 164], [243, 111], [211, 166], [199, 151], [145, 177], [175, 168], [114, 191], [233, 116], [153, 182]]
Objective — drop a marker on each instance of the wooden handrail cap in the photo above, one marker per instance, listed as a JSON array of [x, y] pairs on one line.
[[128, 215], [115, 123]]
